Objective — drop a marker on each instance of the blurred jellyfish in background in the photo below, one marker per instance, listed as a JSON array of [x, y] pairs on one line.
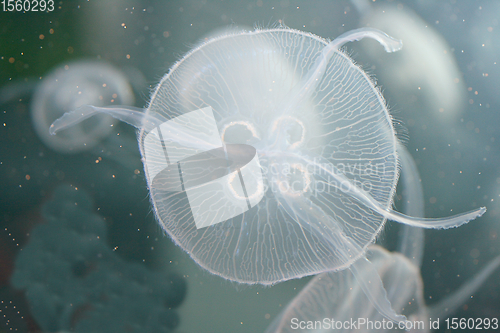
[[74, 282], [484, 66], [412, 240], [17, 89], [337, 296], [485, 36], [425, 71], [70, 86]]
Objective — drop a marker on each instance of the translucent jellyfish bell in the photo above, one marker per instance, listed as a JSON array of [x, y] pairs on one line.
[[70, 86], [284, 157]]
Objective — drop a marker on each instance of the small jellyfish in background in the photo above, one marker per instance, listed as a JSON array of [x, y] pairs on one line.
[[424, 69], [70, 86], [270, 155]]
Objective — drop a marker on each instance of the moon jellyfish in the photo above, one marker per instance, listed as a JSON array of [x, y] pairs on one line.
[[334, 300], [70, 86], [270, 155]]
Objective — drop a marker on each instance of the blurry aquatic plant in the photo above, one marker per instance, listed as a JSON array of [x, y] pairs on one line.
[[74, 282]]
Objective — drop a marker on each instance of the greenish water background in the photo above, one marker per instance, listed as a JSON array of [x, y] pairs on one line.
[[457, 158]]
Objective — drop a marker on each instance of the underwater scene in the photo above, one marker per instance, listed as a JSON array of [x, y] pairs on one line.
[[249, 166]]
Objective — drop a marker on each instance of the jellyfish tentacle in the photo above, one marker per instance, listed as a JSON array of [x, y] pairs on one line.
[[346, 186]]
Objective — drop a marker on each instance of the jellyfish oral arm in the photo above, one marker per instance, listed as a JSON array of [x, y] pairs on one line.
[[137, 118], [346, 186], [132, 116], [454, 221], [430, 223], [370, 282], [390, 44]]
